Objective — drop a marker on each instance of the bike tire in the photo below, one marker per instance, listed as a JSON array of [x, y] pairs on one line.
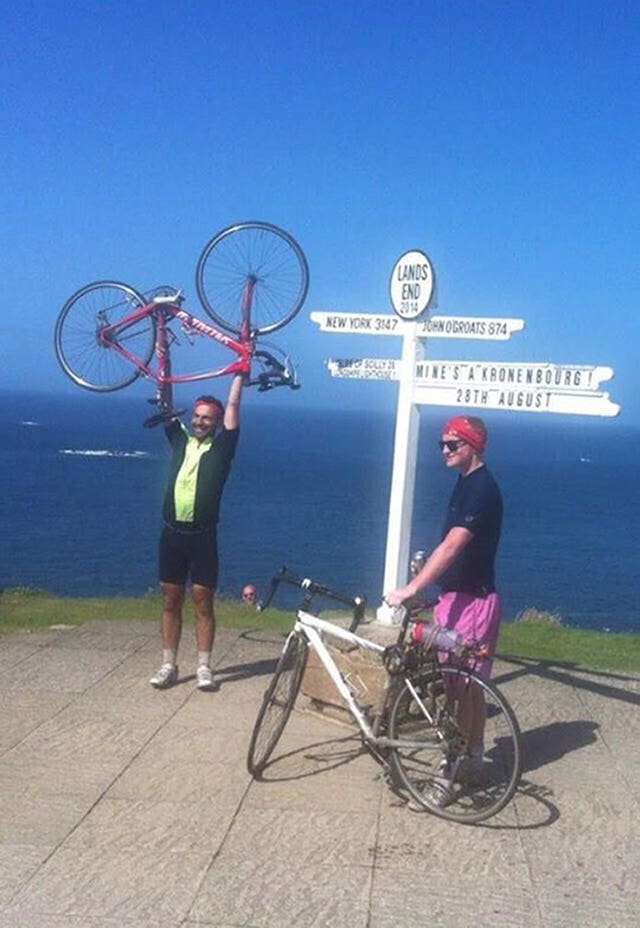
[[267, 256], [277, 703], [83, 356], [436, 733]]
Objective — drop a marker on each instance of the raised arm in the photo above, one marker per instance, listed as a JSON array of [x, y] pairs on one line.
[[232, 409]]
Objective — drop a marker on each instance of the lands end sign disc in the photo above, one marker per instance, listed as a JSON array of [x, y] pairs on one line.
[[411, 285]]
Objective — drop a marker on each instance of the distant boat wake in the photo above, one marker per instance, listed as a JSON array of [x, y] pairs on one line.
[[104, 453]]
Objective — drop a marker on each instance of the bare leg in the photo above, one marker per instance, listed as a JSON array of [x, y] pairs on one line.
[[470, 711], [171, 620], [205, 617], [477, 718]]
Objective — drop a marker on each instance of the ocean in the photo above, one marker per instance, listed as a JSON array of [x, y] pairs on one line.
[[82, 484]]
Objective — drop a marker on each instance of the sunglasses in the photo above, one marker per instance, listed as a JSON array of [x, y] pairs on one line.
[[452, 445]]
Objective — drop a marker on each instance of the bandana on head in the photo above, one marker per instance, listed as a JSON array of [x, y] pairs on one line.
[[216, 405], [462, 428]]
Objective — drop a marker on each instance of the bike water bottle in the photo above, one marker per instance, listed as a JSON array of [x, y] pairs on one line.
[[437, 637]]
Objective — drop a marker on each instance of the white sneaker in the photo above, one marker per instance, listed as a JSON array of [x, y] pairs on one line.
[[204, 678], [438, 790], [165, 677], [439, 794]]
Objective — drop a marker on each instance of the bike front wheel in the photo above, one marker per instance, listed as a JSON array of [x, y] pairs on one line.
[[433, 715], [277, 703], [252, 272], [95, 344]]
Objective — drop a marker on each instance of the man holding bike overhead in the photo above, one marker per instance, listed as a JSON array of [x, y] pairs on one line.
[[199, 468]]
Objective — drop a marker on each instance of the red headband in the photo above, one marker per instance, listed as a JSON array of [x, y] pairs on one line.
[[460, 426], [214, 404]]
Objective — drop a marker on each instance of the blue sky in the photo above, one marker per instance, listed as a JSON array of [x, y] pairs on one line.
[[501, 138]]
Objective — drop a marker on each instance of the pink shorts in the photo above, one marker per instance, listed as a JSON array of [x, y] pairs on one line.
[[475, 617]]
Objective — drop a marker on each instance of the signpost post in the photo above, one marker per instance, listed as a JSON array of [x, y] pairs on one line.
[[521, 387]]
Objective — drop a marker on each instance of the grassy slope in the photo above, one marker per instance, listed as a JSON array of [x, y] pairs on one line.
[[21, 608]]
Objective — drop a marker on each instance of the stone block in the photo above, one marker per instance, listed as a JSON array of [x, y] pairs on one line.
[[362, 670]]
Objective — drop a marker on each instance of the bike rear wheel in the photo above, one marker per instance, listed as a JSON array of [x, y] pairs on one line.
[[277, 703], [434, 766], [255, 265], [91, 361]]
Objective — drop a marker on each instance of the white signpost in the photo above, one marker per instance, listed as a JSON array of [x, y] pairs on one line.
[[522, 387]]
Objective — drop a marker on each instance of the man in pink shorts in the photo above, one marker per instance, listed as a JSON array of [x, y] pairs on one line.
[[463, 563]]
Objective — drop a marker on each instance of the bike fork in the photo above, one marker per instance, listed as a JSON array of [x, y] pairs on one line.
[[247, 300], [164, 388]]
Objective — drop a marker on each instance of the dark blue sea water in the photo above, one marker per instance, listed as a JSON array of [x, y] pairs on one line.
[[82, 484]]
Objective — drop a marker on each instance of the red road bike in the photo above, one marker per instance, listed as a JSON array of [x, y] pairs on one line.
[[252, 279]]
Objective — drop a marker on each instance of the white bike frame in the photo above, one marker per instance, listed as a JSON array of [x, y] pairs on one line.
[[313, 628]]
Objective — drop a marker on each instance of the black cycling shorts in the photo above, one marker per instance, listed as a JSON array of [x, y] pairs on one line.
[[184, 555]]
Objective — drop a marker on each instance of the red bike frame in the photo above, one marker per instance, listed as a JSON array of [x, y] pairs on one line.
[[164, 309]]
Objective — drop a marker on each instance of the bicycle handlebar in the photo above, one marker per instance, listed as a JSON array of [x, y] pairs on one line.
[[313, 588], [275, 374]]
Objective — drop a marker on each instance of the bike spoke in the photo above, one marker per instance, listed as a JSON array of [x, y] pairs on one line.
[[265, 258], [87, 337]]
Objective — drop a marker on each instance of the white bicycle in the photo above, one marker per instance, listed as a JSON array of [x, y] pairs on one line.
[[420, 733]]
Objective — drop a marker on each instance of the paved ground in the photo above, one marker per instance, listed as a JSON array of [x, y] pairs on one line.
[[123, 806]]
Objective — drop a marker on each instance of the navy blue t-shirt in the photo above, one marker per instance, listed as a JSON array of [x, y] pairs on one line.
[[475, 504]]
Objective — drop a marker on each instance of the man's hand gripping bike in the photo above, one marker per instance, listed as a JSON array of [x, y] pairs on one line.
[[251, 278]]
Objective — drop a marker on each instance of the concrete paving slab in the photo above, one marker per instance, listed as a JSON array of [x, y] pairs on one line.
[[575, 904], [14, 652], [122, 805], [84, 734], [196, 782], [158, 827], [70, 670], [18, 863], [25, 820], [215, 746], [267, 893], [20, 723], [16, 919], [43, 776], [296, 794], [329, 838], [106, 636], [416, 903], [134, 884]]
